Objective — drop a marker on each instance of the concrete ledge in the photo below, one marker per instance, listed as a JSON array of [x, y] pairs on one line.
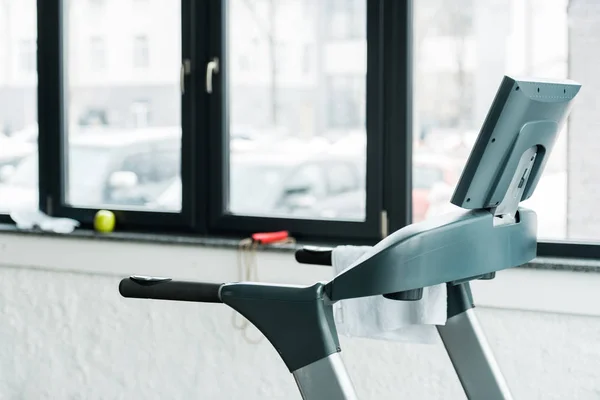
[[544, 263], [553, 286]]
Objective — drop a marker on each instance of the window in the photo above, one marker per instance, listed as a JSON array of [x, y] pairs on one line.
[[250, 147], [282, 170], [97, 54], [154, 170], [96, 4], [345, 99], [140, 113], [346, 19], [323, 125], [341, 178], [94, 11], [307, 55], [244, 62], [18, 108], [141, 52], [93, 116], [118, 153], [458, 66], [302, 191], [280, 58], [27, 59]]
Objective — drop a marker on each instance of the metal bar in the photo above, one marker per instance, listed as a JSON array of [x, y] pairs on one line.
[[506, 211], [326, 379], [51, 53], [568, 249], [397, 23], [472, 358]]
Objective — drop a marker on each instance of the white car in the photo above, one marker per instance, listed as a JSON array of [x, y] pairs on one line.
[[281, 184], [105, 169]]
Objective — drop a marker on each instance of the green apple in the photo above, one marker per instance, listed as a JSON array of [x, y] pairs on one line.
[[104, 221]]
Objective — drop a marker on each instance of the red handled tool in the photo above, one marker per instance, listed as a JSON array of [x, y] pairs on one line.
[[270, 237]]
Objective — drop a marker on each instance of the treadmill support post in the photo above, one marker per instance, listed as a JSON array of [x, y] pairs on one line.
[[467, 347], [325, 379]]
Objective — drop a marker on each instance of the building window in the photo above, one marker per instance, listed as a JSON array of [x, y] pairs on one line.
[[96, 3], [140, 113], [97, 53], [346, 19], [307, 53], [141, 52], [93, 116], [27, 58], [109, 111], [97, 6], [345, 101], [461, 51], [244, 62]]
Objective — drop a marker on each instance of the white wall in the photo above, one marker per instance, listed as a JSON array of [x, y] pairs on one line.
[[65, 333]]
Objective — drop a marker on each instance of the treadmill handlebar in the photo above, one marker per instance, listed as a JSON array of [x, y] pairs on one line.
[[322, 256], [314, 255], [148, 287]]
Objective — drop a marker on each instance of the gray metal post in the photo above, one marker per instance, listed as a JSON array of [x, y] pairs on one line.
[[472, 358], [326, 379]]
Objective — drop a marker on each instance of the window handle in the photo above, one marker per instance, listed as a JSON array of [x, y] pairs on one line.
[[211, 68], [186, 69]]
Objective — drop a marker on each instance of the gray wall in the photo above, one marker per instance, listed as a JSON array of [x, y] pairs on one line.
[[65, 332]]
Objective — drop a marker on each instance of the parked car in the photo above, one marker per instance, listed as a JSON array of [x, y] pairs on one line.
[[139, 172], [348, 206], [280, 184], [108, 170], [328, 185], [316, 181], [12, 151], [427, 173]]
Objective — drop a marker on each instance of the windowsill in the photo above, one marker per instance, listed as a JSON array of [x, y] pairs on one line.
[[543, 263], [152, 238]]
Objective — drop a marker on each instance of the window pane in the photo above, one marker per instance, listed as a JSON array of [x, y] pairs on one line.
[[461, 51], [297, 112], [124, 114], [18, 106]]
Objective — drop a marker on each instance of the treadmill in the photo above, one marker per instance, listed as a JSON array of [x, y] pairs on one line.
[[490, 233]]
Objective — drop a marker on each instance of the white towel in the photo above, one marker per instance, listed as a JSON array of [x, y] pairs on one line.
[[379, 318]]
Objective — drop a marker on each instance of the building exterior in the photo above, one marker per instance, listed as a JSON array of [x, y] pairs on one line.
[[18, 78], [288, 63]]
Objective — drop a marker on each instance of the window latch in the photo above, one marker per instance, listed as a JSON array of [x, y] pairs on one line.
[[211, 68], [384, 224], [186, 69]]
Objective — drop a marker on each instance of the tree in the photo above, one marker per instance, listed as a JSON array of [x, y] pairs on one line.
[[268, 30], [460, 19], [451, 20]]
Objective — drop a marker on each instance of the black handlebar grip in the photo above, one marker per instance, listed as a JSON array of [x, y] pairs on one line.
[[147, 287], [314, 255]]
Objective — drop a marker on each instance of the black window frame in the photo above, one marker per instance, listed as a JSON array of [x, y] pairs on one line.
[[389, 96], [52, 104], [223, 223]]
